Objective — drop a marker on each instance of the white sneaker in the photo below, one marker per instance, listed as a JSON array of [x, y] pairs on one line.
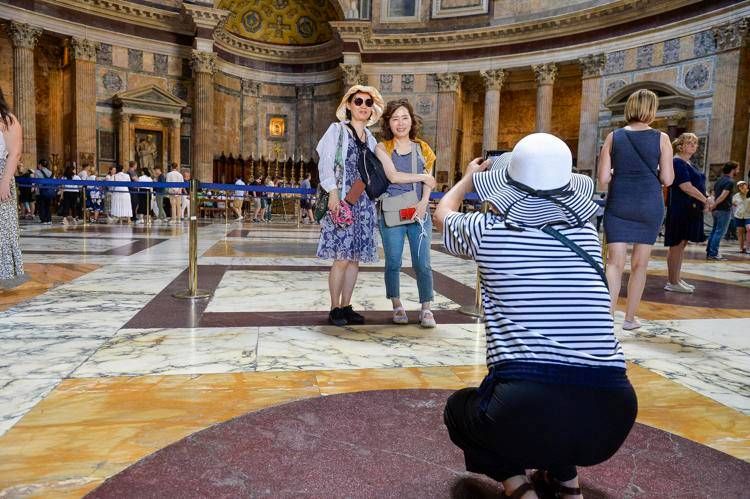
[[685, 284], [630, 325], [677, 288]]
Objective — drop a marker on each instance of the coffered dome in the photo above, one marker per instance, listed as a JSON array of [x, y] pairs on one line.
[[281, 22]]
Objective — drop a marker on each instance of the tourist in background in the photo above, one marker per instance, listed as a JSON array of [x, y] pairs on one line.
[[122, 207], [268, 198], [258, 203], [686, 202], [721, 209], [741, 212], [144, 199], [601, 203], [305, 201], [239, 199], [11, 145], [159, 194], [26, 196], [45, 193], [635, 162], [401, 151], [109, 177], [175, 193], [70, 197], [186, 175]]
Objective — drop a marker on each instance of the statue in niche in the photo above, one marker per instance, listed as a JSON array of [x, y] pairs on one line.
[[147, 152]]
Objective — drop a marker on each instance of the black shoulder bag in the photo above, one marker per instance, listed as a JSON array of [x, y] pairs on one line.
[[548, 229], [370, 169]]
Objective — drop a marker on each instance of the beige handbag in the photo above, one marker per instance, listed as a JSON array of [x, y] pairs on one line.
[[399, 210]]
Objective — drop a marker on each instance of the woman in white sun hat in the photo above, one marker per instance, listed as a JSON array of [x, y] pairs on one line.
[[557, 395]]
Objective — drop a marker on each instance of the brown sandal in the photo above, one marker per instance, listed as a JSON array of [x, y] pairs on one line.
[[520, 491], [549, 488]]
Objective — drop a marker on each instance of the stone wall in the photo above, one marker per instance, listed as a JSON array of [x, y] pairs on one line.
[[227, 110], [517, 112], [420, 90], [566, 110]]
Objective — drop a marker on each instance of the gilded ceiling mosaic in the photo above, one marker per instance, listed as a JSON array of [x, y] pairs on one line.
[[283, 22]]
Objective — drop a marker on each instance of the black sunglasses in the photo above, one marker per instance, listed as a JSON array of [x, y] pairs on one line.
[[359, 100]]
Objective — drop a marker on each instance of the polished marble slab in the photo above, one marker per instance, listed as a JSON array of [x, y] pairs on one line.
[[95, 245], [18, 396], [135, 352], [258, 291]]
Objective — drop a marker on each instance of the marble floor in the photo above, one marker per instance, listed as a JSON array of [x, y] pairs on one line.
[[100, 365]]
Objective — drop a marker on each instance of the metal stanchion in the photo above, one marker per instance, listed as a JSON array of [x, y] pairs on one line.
[[226, 207], [148, 207], [193, 292], [83, 204], [476, 309]]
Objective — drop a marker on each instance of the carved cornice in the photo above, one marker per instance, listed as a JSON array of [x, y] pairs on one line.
[[203, 62], [205, 16], [545, 73], [448, 82], [23, 35], [493, 78], [83, 49], [129, 11], [250, 87], [732, 36], [325, 52], [353, 74], [593, 65], [618, 11]]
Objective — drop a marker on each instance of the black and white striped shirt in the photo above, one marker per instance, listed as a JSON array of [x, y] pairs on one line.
[[547, 311]]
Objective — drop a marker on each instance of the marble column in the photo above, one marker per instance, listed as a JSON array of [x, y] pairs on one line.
[[545, 79], [305, 121], [447, 115], [204, 65], [353, 75], [125, 149], [56, 133], [588, 129], [493, 82], [729, 113], [24, 38], [174, 152], [249, 118], [84, 101]]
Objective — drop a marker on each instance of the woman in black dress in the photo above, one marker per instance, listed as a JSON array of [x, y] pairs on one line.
[[687, 202]]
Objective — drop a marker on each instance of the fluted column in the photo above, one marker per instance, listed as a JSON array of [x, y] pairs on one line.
[[352, 75], [305, 121], [591, 67], [204, 65], [24, 38], [56, 141], [175, 143], [493, 82], [124, 139], [447, 114], [84, 102], [545, 79], [249, 118]]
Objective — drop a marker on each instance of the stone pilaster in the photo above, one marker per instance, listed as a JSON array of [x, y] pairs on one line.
[[24, 38], [125, 149], [493, 83], [56, 134], [447, 133], [84, 52], [729, 116], [591, 68], [353, 75], [174, 130], [249, 118], [545, 79], [204, 65], [305, 121]]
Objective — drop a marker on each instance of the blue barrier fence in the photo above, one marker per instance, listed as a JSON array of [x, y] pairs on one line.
[[30, 181]]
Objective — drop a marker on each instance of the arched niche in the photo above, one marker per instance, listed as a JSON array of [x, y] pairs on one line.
[[675, 105]]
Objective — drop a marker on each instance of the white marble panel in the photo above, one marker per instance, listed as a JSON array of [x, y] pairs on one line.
[[259, 291], [18, 396], [357, 347], [128, 278], [29, 357], [731, 333], [88, 244], [136, 352]]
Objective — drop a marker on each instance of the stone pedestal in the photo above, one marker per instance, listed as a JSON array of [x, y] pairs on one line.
[[493, 82], [24, 38], [174, 148], [545, 79], [84, 101], [204, 65], [447, 115], [588, 141], [125, 149], [249, 119], [305, 122]]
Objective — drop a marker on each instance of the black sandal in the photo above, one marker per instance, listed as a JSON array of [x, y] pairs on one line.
[[549, 488], [520, 491]]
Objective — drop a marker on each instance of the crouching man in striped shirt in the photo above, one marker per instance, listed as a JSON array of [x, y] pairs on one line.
[[557, 395]]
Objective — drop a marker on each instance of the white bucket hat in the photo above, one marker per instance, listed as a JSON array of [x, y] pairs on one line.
[[534, 185], [378, 105]]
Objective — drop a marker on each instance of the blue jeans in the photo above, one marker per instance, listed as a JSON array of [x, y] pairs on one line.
[[393, 245], [721, 222]]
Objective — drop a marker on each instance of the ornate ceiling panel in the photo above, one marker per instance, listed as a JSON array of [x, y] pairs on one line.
[[281, 22]]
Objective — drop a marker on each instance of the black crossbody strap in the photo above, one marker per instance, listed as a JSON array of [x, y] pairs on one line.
[[643, 160], [547, 229]]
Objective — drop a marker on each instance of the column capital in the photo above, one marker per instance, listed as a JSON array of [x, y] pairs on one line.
[[203, 62], [84, 49], [448, 82], [353, 74], [592, 65], [176, 122], [23, 35], [205, 17], [493, 78], [305, 92], [731, 36], [545, 73], [250, 87]]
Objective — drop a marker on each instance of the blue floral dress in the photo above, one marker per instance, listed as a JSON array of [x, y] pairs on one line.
[[357, 241]]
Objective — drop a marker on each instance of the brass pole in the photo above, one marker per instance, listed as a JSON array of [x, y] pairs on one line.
[[83, 204], [476, 309], [148, 207], [226, 207], [193, 292]]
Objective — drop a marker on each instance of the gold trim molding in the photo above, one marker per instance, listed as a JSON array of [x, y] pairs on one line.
[[130, 12], [325, 52]]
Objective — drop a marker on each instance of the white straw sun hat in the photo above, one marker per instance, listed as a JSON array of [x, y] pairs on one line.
[[535, 186], [378, 105]]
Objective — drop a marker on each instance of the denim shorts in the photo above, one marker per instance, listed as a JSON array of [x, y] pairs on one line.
[[741, 222]]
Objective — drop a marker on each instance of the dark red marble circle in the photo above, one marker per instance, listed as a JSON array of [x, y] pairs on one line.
[[392, 444]]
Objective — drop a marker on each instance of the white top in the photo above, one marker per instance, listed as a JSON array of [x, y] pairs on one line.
[[145, 178], [327, 153], [72, 188], [239, 194], [121, 177], [740, 206], [174, 176]]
